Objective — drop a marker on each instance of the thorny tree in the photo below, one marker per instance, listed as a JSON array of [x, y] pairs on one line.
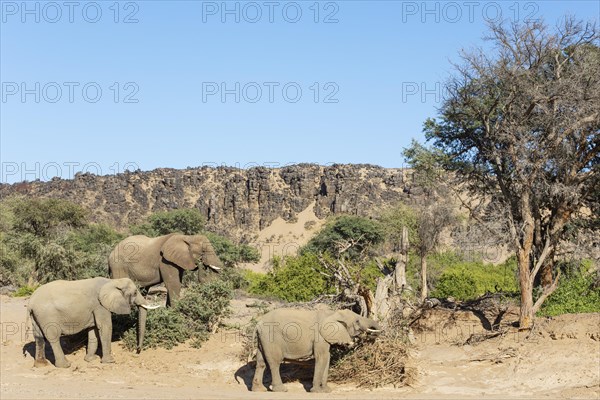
[[435, 213], [521, 124]]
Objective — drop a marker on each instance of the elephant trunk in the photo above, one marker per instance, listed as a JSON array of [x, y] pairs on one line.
[[211, 261], [369, 325], [143, 308], [141, 328]]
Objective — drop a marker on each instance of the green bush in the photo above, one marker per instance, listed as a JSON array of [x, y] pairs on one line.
[[363, 232], [44, 216], [231, 254], [24, 291], [457, 284], [47, 239], [165, 327], [235, 277], [466, 280], [188, 221], [13, 269], [193, 317], [577, 293], [293, 278], [95, 238], [205, 304]]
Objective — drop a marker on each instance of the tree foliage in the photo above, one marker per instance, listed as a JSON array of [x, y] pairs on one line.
[[42, 217], [194, 316], [347, 236], [45, 239], [230, 253], [188, 221], [293, 278], [578, 293], [520, 125]]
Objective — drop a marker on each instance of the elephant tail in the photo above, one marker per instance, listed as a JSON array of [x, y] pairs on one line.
[[252, 346], [29, 321]]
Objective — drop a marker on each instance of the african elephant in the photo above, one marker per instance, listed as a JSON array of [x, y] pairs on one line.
[[68, 307], [150, 261], [302, 334]]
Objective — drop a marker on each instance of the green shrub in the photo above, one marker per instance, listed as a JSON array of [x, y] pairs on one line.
[[457, 284], [53, 261], [235, 277], [47, 239], [363, 232], [231, 254], [44, 216], [577, 293], [24, 291], [14, 270], [188, 221], [165, 327], [95, 238], [205, 304], [293, 278], [366, 274], [465, 280], [193, 317]]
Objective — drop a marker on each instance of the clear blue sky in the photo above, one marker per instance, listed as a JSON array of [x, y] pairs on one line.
[[377, 65]]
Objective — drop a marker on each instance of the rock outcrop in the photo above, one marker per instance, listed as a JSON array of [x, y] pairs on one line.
[[235, 201]]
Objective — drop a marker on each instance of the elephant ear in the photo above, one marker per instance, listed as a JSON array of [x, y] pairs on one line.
[[113, 296], [334, 331], [177, 251]]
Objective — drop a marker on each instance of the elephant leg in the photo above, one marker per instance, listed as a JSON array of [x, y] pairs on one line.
[[274, 359], [53, 333], [172, 278], [92, 346], [321, 372], [104, 325], [257, 382], [40, 346]]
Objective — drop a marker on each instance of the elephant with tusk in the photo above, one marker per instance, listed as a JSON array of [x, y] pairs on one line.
[[302, 334], [68, 307], [150, 261]]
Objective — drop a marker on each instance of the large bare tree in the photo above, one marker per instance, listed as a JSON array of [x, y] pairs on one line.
[[521, 125]]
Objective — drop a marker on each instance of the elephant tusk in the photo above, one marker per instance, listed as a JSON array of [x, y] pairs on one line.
[[214, 267], [370, 330], [149, 307]]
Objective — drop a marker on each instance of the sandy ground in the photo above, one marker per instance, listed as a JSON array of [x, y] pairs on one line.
[[282, 238], [561, 359]]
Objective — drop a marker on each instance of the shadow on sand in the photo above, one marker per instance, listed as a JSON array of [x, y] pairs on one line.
[[290, 372]]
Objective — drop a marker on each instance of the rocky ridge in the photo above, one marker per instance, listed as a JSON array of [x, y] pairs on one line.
[[237, 202]]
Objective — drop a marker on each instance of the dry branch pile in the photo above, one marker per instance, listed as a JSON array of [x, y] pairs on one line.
[[380, 362]]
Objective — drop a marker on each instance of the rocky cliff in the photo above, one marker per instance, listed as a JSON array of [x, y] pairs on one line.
[[235, 201]]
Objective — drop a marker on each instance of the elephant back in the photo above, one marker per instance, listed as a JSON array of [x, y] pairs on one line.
[[136, 257]]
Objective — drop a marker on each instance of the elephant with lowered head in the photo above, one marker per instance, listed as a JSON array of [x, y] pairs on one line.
[[68, 307], [150, 261], [296, 334]]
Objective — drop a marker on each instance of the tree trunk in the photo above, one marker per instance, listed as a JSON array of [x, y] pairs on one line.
[[382, 305], [423, 277], [525, 281], [401, 263], [400, 274], [546, 274], [546, 278]]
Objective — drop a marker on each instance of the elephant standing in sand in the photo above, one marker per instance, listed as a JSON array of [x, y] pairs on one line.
[[303, 334], [68, 307], [150, 261]]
